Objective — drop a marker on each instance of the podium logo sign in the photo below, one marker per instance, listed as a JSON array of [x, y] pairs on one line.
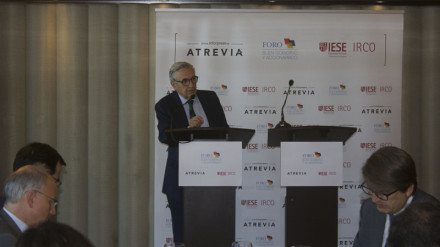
[[311, 163], [207, 163], [210, 158]]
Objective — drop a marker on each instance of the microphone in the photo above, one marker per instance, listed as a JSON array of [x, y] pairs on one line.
[[282, 123], [174, 111]]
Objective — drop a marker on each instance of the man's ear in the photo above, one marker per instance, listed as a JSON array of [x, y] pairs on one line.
[[410, 190], [173, 84], [30, 197]]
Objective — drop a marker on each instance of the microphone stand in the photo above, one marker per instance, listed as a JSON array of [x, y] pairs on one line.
[[282, 123]]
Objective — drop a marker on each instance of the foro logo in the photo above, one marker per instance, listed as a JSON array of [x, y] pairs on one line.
[[272, 44]]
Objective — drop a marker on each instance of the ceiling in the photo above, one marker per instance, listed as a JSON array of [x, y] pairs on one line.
[[259, 2]]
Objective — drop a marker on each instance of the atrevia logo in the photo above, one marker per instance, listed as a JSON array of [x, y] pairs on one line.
[[259, 223], [376, 110], [259, 167], [260, 110], [214, 52], [289, 42]]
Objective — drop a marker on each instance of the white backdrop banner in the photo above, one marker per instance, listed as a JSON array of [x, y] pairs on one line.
[[346, 67]]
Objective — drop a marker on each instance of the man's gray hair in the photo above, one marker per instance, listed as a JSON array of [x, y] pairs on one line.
[[178, 66], [27, 178]]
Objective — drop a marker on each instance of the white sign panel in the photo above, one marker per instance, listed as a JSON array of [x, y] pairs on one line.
[[311, 163], [210, 164]]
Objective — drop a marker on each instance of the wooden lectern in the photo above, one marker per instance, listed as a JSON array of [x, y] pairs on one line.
[[311, 212], [209, 212]]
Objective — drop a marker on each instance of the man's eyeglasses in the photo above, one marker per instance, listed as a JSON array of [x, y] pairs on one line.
[[53, 202], [186, 82], [382, 196]]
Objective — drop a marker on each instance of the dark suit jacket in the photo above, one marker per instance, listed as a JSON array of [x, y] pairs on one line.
[[170, 109], [8, 228], [372, 222]]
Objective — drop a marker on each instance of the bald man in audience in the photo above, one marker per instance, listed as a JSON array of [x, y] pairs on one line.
[[30, 199]]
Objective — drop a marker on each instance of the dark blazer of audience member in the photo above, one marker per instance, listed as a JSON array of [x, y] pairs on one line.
[[391, 182], [417, 226], [30, 199], [37, 153], [52, 234], [171, 114]]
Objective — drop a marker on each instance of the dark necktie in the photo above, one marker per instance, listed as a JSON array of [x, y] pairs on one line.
[[191, 109], [391, 218]]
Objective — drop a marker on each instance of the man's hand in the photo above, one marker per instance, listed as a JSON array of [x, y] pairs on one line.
[[196, 121]]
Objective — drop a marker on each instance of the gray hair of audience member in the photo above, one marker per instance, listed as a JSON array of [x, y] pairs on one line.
[[52, 234], [27, 178], [390, 168], [417, 226], [178, 66]]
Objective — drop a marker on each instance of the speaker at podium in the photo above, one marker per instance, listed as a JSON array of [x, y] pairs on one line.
[[210, 170]]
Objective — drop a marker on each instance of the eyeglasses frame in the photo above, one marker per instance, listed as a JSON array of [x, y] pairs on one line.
[[53, 202], [381, 196], [186, 82]]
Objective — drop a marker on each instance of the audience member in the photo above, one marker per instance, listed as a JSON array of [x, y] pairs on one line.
[[52, 234], [37, 153], [30, 194], [390, 179], [417, 226]]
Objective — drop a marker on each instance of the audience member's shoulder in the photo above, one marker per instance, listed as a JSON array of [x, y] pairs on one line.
[[7, 240], [52, 234], [423, 196]]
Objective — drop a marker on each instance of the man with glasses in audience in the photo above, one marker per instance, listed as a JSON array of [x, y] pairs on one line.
[[186, 107], [30, 194], [390, 179], [43, 154]]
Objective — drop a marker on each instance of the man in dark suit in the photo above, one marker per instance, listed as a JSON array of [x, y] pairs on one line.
[[391, 182], [417, 226], [30, 199], [186, 107]]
